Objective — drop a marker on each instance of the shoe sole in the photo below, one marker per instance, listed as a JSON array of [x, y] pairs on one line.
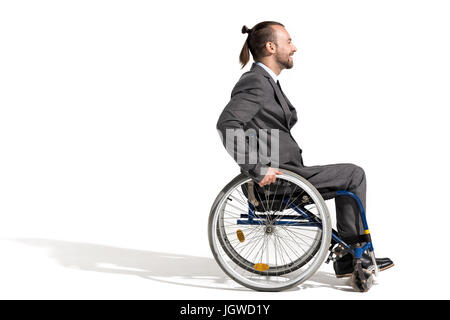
[[373, 271]]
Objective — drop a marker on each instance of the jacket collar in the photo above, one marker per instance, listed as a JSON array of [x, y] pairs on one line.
[[260, 70], [269, 71]]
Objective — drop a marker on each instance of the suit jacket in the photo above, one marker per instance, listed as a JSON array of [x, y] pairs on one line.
[[258, 103]]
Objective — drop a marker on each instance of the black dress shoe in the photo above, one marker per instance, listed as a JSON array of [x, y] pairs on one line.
[[343, 267]]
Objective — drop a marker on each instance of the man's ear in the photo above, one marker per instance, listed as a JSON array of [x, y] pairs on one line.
[[270, 47]]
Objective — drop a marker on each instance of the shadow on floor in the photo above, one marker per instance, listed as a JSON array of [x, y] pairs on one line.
[[170, 268]]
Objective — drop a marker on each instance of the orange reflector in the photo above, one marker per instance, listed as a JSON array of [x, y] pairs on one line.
[[240, 235], [261, 267]]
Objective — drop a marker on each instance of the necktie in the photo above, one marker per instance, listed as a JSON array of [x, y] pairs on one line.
[[287, 112], [279, 86]]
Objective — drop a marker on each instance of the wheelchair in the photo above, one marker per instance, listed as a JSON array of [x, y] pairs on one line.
[[275, 237]]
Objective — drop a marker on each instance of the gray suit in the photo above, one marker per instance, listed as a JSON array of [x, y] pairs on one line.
[[257, 102]]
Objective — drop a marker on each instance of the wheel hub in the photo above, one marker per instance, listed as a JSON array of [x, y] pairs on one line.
[[269, 229]]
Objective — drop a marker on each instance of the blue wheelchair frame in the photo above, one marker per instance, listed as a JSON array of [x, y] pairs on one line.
[[312, 221]]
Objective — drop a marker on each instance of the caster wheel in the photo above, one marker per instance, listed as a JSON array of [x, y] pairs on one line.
[[361, 281]]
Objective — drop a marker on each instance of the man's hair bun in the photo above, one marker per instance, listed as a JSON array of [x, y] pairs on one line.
[[246, 30]]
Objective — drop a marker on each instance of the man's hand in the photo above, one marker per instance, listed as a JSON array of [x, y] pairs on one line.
[[270, 177]]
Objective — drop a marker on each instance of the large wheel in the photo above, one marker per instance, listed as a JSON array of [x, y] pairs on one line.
[[269, 238]]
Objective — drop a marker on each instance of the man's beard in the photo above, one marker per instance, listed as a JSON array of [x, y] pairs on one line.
[[284, 63]]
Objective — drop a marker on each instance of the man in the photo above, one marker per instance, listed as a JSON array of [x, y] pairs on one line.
[[258, 102]]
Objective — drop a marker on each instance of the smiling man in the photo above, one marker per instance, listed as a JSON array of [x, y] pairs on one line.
[[258, 103]]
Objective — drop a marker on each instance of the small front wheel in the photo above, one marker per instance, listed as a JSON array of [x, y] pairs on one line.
[[362, 280]]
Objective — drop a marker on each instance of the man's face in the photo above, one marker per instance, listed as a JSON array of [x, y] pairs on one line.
[[285, 48]]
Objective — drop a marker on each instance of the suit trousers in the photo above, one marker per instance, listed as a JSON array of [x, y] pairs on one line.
[[334, 177]]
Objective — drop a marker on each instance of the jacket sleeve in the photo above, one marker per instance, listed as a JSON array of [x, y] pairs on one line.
[[247, 99]]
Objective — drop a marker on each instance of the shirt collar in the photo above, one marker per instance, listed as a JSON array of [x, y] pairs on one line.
[[272, 74]]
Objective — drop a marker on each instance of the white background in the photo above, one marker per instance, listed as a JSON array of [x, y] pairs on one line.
[[110, 160]]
